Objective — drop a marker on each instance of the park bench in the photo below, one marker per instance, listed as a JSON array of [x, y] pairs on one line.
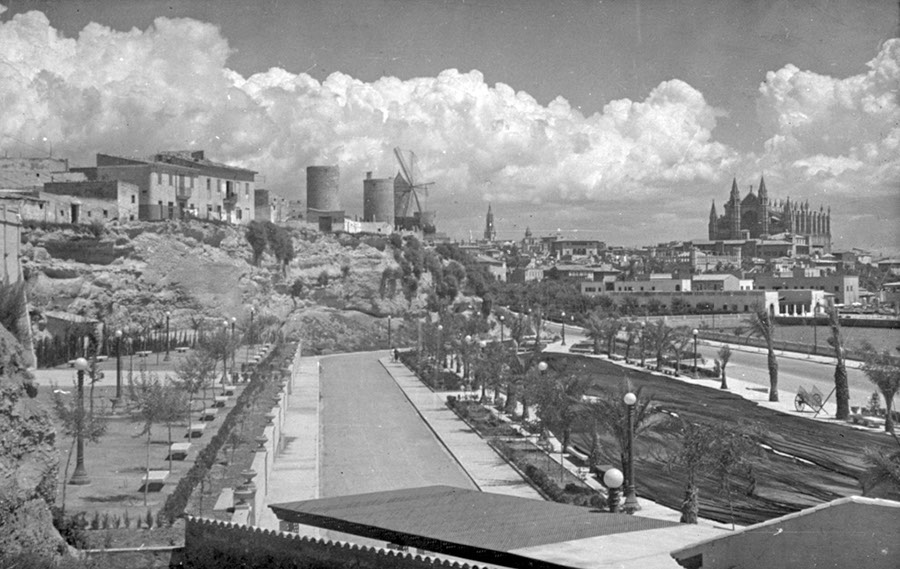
[[178, 451], [577, 454], [209, 414], [182, 349], [227, 390], [154, 480], [220, 400], [196, 430], [867, 420], [143, 353]]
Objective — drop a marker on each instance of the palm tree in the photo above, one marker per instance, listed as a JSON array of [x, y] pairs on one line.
[[595, 330], [660, 336], [883, 370], [762, 325], [724, 354], [841, 385], [612, 327], [884, 469], [632, 329], [609, 414], [681, 339]]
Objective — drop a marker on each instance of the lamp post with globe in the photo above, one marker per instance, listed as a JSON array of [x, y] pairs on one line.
[[80, 476], [613, 479], [631, 503], [694, 333]]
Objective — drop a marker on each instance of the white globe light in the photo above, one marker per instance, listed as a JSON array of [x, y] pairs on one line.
[[630, 398], [613, 478], [468, 339], [542, 366], [118, 333], [695, 332], [81, 364]]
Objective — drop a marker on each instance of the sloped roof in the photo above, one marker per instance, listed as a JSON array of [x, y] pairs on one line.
[[464, 523]]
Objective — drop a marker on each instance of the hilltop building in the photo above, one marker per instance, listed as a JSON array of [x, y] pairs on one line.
[[490, 234], [755, 217]]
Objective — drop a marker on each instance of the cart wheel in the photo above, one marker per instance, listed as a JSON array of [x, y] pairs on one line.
[[798, 403], [817, 399]]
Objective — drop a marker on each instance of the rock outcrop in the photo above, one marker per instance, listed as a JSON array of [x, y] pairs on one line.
[[28, 460]]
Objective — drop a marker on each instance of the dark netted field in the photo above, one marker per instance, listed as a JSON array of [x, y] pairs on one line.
[[810, 461]]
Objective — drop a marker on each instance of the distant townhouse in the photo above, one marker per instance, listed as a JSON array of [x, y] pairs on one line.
[[576, 249], [495, 267], [178, 184], [656, 282], [843, 287], [724, 281]]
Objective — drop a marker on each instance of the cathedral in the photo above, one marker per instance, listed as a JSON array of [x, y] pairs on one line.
[[755, 217]]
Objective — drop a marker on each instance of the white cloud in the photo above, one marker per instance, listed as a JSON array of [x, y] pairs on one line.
[[137, 92], [845, 131]]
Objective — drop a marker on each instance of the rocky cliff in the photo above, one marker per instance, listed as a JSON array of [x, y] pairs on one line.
[[28, 460]]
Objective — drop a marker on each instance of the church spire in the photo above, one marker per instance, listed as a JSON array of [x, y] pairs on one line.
[[735, 192], [489, 232], [763, 193], [712, 211]]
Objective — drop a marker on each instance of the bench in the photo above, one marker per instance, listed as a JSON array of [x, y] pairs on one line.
[[182, 349], [867, 420], [178, 451], [577, 454], [228, 390], [220, 400], [143, 354], [209, 414], [154, 479], [196, 430]]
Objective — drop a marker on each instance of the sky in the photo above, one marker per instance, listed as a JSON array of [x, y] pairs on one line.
[[616, 120]]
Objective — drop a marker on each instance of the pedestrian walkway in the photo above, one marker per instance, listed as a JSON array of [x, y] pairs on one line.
[[489, 471], [295, 472]]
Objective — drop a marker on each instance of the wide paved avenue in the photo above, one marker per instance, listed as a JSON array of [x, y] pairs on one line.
[[372, 437]]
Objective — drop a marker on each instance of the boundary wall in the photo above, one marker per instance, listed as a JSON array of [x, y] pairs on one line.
[[209, 543]]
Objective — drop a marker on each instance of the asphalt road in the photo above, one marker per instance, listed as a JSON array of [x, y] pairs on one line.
[[794, 373], [372, 437]]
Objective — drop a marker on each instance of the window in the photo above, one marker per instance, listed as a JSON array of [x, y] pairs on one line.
[[170, 179], [208, 184], [678, 288], [159, 177], [246, 189], [105, 213], [132, 198], [238, 213], [89, 213]]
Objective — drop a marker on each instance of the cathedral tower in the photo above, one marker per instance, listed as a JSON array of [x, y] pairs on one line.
[[733, 208], [763, 207], [713, 222], [489, 232]]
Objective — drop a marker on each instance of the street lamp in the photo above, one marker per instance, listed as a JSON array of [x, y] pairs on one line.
[[613, 479], [225, 352], [168, 315], [694, 332], [816, 327], [233, 348], [440, 346], [563, 327], [252, 339], [643, 328], [482, 344], [501, 328], [80, 477], [631, 503], [468, 340], [389, 332], [118, 367]]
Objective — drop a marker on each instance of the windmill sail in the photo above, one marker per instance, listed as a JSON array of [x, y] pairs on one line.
[[409, 192]]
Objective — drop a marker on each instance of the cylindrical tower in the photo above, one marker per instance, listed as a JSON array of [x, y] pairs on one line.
[[378, 199], [322, 186]]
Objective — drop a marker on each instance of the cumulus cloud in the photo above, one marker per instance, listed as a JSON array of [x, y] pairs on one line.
[[136, 92], [843, 131]]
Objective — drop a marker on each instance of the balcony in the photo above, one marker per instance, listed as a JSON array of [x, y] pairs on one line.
[[183, 193], [230, 201]]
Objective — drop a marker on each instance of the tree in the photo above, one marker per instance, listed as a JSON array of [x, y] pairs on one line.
[[660, 336], [595, 330], [256, 236], [841, 384], [609, 414], [883, 370], [710, 451], [632, 330], [193, 374], [154, 403], [724, 354], [558, 402], [611, 330], [883, 470], [282, 246], [70, 415], [762, 325], [680, 340], [297, 288]]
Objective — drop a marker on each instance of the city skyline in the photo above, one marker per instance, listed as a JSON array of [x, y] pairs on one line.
[[619, 121]]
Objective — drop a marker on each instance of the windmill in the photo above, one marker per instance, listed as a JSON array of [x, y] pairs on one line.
[[410, 193]]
